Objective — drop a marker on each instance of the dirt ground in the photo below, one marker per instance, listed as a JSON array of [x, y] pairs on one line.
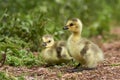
[[108, 70]]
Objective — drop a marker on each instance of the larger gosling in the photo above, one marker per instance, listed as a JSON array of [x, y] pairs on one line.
[[84, 51], [55, 52]]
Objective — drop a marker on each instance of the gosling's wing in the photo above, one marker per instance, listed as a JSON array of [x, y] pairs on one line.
[[58, 51], [58, 46], [89, 45], [61, 43], [85, 46]]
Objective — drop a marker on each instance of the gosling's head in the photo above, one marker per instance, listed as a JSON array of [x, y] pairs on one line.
[[48, 41], [73, 25]]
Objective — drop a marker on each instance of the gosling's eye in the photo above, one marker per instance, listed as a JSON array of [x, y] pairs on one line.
[[71, 24], [49, 41]]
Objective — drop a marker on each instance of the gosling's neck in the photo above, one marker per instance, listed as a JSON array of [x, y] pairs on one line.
[[76, 36]]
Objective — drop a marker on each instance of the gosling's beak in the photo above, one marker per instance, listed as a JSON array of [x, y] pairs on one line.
[[65, 28], [44, 44]]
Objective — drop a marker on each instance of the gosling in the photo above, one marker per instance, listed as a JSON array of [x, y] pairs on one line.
[[84, 51], [54, 52]]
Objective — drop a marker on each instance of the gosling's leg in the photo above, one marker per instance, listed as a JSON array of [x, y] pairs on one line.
[[77, 66], [79, 69], [76, 69], [49, 65]]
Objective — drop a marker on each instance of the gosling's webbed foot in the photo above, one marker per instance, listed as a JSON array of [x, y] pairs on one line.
[[75, 70], [89, 68], [79, 69]]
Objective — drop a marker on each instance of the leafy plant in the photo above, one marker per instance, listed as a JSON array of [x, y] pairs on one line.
[[23, 58]]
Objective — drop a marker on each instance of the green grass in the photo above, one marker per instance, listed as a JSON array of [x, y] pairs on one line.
[[8, 76], [115, 64], [5, 76], [23, 58]]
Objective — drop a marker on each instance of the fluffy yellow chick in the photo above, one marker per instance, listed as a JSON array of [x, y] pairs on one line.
[[54, 52], [84, 51]]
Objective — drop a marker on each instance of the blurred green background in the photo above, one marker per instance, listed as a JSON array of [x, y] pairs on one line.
[[23, 22]]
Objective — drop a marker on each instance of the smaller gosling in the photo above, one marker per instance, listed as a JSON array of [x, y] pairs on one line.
[[54, 52], [84, 51]]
